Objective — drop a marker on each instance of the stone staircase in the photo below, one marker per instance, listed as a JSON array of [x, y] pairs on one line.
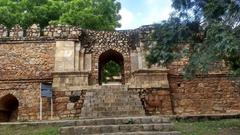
[[112, 101], [145, 125], [115, 110]]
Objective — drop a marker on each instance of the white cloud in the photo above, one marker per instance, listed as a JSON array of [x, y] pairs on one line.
[[157, 11], [148, 12], [127, 18], [152, 1]]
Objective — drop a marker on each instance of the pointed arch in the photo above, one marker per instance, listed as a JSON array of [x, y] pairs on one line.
[[105, 57]]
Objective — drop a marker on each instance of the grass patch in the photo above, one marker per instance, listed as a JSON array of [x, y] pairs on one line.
[[213, 127], [28, 130]]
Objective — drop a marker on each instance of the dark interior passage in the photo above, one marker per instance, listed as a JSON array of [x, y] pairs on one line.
[[8, 108]]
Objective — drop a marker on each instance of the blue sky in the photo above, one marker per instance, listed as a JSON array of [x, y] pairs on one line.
[[136, 13]]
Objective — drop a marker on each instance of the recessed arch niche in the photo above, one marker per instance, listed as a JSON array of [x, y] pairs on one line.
[[8, 108]]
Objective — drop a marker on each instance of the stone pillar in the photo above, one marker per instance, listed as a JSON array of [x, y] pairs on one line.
[[77, 55], [82, 54], [64, 56], [142, 54], [140, 59], [88, 62], [134, 61]]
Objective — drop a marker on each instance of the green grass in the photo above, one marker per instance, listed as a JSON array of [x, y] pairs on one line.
[[28, 130], [214, 127]]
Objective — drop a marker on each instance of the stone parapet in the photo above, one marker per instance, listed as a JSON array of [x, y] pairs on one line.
[[149, 78], [69, 81], [35, 33]]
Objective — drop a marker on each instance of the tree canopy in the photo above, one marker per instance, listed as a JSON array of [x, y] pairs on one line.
[[110, 70], [90, 14], [205, 31]]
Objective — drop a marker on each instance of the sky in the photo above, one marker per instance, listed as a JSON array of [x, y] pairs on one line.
[[136, 13]]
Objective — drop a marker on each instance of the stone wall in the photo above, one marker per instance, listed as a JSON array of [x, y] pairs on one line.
[[156, 101], [24, 65], [26, 60], [68, 57], [213, 94], [68, 104], [27, 94]]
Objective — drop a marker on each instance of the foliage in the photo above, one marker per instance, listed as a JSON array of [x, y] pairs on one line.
[[92, 14], [205, 31], [111, 69]]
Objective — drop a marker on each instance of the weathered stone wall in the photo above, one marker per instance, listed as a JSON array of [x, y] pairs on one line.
[[27, 95], [68, 104], [26, 60], [156, 101], [24, 65], [213, 94]]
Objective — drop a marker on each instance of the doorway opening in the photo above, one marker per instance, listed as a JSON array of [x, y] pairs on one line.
[[8, 108], [111, 68]]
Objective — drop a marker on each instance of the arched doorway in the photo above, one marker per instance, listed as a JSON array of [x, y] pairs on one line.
[[107, 59], [8, 108]]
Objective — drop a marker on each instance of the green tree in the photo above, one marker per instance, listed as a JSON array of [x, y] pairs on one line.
[[111, 69], [205, 31], [91, 14], [95, 14]]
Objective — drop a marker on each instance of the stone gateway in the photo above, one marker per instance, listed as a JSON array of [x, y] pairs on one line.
[[72, 60]]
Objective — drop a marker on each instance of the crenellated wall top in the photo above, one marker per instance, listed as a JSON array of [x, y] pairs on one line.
[[68, 32]]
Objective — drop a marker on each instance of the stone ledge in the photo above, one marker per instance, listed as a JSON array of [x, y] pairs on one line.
[[28, 80], [71, 73], [205, 117], [151, 71]]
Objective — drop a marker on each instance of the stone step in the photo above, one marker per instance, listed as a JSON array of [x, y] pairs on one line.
[[112, 101], [113, 87], [123, 120], [143, 133], [100, 129], [102, 93], [110, 114]]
